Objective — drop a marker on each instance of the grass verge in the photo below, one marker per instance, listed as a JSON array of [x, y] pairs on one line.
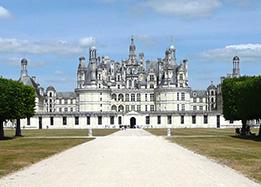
[[60, 132], [20, 152], [221, 145]]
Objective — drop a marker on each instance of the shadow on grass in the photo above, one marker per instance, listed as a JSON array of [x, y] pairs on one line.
[[7, 138], [254, 138]]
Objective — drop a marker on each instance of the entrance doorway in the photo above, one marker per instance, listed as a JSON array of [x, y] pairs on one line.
[[133, 122]]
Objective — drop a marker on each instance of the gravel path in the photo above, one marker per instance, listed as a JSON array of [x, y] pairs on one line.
[[126, 158]]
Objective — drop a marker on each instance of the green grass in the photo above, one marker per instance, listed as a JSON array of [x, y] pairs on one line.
[[61, 132], [21, 152], [16, 153], [221, 145]]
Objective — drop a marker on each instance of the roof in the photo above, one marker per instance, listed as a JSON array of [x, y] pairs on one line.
[[51, 88], [28, 81], [198, 93], [66, 94]]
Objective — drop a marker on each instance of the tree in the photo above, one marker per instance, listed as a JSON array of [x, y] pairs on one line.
[[27, 100], [241, 99], [17, 101]]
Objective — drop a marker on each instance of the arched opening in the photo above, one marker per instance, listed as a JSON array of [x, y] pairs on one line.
[[133, 122], [114, 97], [120, 108], [114, 108], [120, 97]]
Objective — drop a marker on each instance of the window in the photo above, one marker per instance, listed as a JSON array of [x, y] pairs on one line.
[[231, 121], [205, 119], [177, 107], [130, 83], [182, 119], [147, 120], [119, 120], [127, 97], [180, 76], [76, 120], [60, 109], [151, 107], [146, 108], [151, 97], [51, 120], [151, 77], [182, 96], [119, 78], [28, 121], [183, 107], [71, 101], [64, 120], [60, 101], [169, 120], [200, 108], [112, 120], [201, 100], [151, 86], [194, 108], [194, 100], [132, 97], [138, 108], [50, 94], [71, 109], [88, 120], [99, 120], [65, 109], [193, 119], [100, 98], [159, 120], [119, 86], [146, 97], [65, 101], [178, 96], [132, 107], [127, 108], [99, 76], [138, 97]]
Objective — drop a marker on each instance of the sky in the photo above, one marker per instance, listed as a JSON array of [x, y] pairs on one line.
[[52, 35]]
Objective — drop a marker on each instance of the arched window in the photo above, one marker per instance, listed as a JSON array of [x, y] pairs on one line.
[[114, 108], [127, 98], [50, 94], [114, 97], [121, 108], [120, 97]]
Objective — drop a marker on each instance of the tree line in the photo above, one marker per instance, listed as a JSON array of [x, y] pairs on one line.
[[17, 101], [242, 99]]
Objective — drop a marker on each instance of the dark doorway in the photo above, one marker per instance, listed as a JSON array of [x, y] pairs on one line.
[[133, 122], [218, 121], [40, 123]]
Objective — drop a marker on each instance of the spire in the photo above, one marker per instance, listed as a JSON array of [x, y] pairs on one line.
[[236, 69], [23, 67], [132, 51]]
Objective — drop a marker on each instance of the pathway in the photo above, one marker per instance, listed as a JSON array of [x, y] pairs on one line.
[[126, 158]]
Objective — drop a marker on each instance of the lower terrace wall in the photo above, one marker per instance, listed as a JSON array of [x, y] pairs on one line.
[[143, 120]]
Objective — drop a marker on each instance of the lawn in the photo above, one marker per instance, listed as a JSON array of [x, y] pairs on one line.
[[16, 153], [61, 132], [221, 145]]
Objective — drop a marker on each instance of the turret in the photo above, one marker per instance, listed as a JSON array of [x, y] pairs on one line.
[[170, 55], [93, 63], [236, 69], [81, 73], [24, 67], [132, 52]]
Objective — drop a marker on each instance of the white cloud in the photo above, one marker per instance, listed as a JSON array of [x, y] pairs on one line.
[[87, 41], [249, 52], [183, 8], [4, 13], [13, 45]]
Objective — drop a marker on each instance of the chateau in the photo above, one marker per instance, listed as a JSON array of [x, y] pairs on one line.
[[133, 92]]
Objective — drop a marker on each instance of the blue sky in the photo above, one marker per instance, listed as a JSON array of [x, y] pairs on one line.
[[52, 35]]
